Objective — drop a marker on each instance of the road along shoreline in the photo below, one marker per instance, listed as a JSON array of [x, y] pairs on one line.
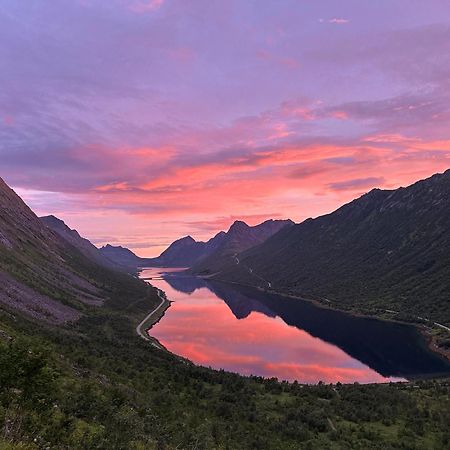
[[152, 319]]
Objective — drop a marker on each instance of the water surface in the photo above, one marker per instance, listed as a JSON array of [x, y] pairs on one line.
[[251, 332]]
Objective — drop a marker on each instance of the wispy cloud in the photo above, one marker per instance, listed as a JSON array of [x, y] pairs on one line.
[[144, 6], [148, 115], [335, 20]]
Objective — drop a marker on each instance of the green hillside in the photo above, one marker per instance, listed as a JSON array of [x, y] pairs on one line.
[[80, 378], [385, 250]]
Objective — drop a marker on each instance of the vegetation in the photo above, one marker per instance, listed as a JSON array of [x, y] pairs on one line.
[[95, 384], [388, 250]]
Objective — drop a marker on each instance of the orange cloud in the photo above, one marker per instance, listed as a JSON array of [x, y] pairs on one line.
[[166, 185]]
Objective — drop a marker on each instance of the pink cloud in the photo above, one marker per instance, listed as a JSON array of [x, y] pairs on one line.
[[146, 6], [161, 187], [341, 115], [8, 120]]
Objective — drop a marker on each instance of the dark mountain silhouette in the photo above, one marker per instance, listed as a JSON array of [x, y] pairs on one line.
[[74, 238], [203, 257], [387, 249], [123, 256], [238, 238], [186, 251], [181, 253]]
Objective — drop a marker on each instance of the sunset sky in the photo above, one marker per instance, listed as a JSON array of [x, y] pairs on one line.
[[139, 121]]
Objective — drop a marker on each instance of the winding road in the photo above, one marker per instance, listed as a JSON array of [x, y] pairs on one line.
[[139, 330]]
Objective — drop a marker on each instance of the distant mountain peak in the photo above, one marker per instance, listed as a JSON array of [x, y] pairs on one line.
[[239, 237], [186, 239], [116, 247], [238, 225]]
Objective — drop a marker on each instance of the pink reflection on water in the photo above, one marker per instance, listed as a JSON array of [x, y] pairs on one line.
[[201, 327]]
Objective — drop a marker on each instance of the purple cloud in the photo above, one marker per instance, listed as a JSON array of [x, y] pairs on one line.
[[357, 184]]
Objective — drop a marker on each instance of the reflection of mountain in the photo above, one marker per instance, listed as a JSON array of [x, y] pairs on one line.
[[240, 304], [184, 283], [391, 349]]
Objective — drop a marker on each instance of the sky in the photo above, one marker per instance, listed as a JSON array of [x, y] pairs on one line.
[[140, 121]]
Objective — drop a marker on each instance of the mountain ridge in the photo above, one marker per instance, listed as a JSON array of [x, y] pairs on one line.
[[238, 238], [187, 252], [83, 244], [41, 273], [387, 249]]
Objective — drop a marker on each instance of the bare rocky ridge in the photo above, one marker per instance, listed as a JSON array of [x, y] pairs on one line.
[[20, 297]]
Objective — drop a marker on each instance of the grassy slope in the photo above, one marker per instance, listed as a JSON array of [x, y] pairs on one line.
[[386, 250], [94, 384]]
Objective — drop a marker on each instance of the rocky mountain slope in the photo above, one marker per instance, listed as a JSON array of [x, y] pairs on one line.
[[389, 249], [41, 274]]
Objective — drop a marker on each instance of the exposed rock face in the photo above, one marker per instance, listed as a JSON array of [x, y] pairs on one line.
[[4, 241], [20, 297]]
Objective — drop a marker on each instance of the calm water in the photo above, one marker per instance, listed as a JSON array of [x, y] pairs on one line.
[[251, 332]]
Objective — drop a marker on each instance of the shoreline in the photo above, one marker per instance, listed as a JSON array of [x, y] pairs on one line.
[[431, 340], [149, 321]]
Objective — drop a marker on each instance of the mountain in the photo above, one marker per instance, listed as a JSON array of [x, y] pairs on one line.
[[183, 252], [82, 244], [187, 252], [238, 238], [41, 274], [388, 249], [74, 374], [123, 256]]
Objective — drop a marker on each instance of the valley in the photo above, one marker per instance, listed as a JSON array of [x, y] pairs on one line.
[[75, 373], [224, 225]]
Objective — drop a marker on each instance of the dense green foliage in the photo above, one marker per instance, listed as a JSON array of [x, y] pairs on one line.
[[94, 384], [97, 385], [385, 250]]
